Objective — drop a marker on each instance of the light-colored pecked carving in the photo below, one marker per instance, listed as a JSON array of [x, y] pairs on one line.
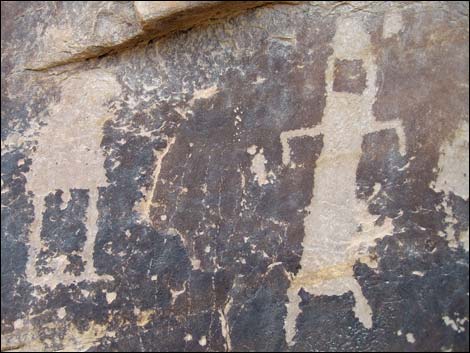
[[332, 242]]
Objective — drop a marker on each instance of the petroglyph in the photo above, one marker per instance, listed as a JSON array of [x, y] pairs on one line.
[[338, 228], [69, 157], [145, 206]]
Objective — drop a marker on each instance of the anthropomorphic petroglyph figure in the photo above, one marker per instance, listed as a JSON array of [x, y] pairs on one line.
[[338, 227], [69, 156]]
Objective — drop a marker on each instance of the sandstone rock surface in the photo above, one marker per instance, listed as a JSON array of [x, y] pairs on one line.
[[292, 178], [79, 31]]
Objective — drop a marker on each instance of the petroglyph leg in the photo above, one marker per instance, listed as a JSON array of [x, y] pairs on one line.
[[92, 230], [145, 206], [59, 263], [35, 239]]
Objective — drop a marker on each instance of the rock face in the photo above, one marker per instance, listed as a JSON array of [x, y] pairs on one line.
[[79, 31], [178, 178]]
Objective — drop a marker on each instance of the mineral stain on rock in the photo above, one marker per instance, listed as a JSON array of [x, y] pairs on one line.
[[293, 178]]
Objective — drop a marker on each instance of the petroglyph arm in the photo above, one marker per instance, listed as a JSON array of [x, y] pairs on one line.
[[286, 136], [397, 126]]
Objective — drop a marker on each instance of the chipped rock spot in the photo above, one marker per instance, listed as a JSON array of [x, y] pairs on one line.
[[258, 166], [69, 156], [202, 341], [110, 297], [18, 324], [418, 273], [327, 261], [393, 24], [61, 312], [457, 325], [259, 80], [286, 39], [204, 93], [195, 263], [251, 150], [410, 338], [143, 317]]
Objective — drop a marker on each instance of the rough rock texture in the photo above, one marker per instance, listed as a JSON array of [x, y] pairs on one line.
[[294, 178], [82, 30]]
